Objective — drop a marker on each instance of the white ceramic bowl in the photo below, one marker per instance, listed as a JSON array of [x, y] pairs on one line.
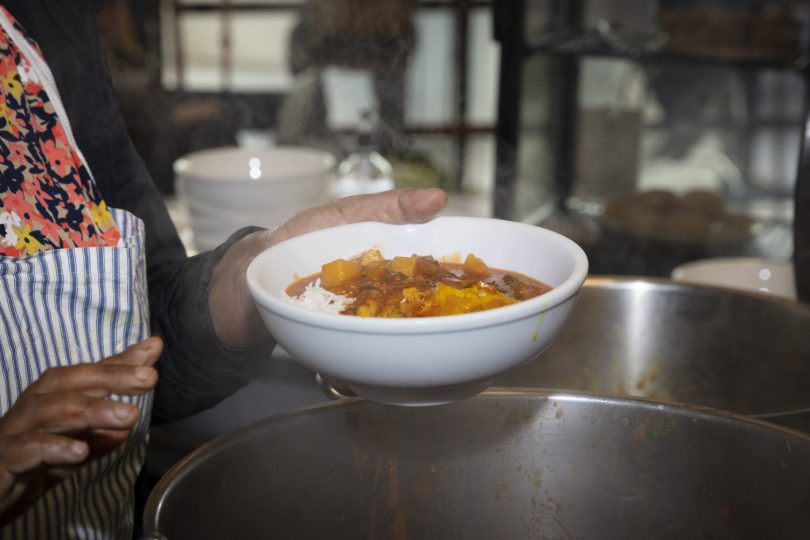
[[766, 276], [218, 228], [426, 360], [204, 242], [254, 180], [208, 235]]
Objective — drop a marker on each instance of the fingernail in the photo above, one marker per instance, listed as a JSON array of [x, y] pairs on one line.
[[143, 373], [77, 448], [149, 344], [122, 412]]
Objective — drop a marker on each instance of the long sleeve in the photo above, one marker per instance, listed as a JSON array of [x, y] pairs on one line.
[[196, 372]]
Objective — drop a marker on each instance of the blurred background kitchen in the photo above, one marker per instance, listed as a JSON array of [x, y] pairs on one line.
[[652, 133]]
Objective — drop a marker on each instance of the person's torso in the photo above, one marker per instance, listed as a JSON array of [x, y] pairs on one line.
[[74, 292]]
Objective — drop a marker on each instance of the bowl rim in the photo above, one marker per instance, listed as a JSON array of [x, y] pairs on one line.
[[534, 307], [183, 167], [228, 212]]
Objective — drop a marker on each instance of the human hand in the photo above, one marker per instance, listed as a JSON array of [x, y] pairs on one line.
[[235, 319], [65, 418]]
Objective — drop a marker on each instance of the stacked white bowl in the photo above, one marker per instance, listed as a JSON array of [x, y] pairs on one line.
[[768, 276], [225, 189]]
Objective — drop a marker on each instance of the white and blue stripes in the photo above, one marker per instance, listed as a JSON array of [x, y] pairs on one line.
[[63, 307]]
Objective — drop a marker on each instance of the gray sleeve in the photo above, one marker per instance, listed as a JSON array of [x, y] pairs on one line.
[[196, 370]]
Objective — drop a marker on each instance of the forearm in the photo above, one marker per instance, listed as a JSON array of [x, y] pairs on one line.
[[234, 317], [197, 370]]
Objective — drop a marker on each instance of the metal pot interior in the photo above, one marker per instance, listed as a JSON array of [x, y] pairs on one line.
[[509, 465], [742, 352]]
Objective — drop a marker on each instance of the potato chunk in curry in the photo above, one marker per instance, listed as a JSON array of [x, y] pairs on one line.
[[340, 272]]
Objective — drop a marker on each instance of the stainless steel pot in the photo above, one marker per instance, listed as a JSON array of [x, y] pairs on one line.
[[505, 465], [742, 352]]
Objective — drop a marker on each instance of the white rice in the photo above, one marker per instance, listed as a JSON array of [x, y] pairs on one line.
[[317, 298]]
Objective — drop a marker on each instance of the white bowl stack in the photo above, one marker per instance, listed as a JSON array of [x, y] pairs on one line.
[[225, 189], [767, 276]]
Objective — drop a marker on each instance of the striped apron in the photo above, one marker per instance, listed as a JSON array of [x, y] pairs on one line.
[[64, 307]]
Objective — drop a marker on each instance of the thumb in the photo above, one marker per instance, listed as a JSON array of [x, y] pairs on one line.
[[396, 206]]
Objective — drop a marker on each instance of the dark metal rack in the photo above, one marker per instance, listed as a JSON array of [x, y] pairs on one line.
[[566, 43]]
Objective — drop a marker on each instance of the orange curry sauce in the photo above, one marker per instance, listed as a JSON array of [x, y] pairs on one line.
[[420, 286]]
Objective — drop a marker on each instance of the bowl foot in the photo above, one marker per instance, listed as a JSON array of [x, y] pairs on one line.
[[421, 397]]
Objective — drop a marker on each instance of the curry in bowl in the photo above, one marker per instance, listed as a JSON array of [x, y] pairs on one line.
[[415, 286]]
